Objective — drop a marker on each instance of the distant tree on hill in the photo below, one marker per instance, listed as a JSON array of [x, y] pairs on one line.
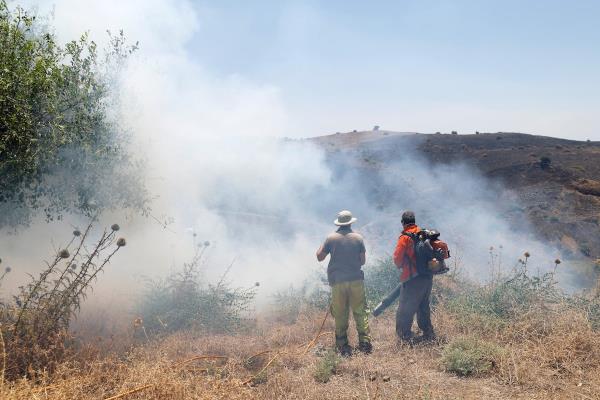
[[545, 162], [59, 149]]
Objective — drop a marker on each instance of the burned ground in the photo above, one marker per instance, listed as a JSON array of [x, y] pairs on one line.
[[556, 181]]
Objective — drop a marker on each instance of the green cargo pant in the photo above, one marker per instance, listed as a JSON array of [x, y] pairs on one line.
[[346, 296]]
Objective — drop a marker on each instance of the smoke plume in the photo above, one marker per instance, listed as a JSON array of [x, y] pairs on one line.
[[221, 171]]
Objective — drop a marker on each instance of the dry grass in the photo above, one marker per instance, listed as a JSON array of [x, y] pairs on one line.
[[544, 356], [516, 337]]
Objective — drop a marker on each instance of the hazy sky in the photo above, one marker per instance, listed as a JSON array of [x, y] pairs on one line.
[[531, 66], [415, 65]]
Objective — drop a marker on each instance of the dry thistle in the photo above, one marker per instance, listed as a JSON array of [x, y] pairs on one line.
[[527, 255], [7, 269], [115, 227], [557, 261], [76, 232], [207, 243], [64, 253], [73, 266], [121, 242], [257, 284]]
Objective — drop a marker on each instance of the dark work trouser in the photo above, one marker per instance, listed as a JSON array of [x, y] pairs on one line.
[[414, 299]]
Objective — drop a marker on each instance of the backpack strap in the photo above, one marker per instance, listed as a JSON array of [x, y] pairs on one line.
[[413, 237]]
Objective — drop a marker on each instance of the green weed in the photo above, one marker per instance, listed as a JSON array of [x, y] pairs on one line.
[[327, 366], [469, 356]]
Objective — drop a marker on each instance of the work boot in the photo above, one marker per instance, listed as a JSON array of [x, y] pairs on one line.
[[421, 340], [406, 339], [428, 337], [365, 347], [424, 339], [345, 350]]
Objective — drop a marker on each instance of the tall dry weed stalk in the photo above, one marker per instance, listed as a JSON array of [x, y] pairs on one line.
[[35, 324]]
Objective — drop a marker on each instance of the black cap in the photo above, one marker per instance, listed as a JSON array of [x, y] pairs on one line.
[[408, 217]]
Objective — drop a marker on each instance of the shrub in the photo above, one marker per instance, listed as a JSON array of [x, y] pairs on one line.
[[288, 304], [313, 294], [35, 325], [185, 301], [380, 279], [466, 356], [545, 162], [508, 297], [326, 367], [585, 249]]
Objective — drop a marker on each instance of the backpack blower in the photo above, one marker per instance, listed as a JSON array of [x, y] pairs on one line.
[[430, 253]]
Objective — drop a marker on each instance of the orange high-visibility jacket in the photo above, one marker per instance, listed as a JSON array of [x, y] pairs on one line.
[[404, 254]]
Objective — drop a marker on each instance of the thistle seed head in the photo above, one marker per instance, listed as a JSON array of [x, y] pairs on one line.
[[557, 261], [121, 242], [257, 284], [64, 253], [207, 243], [73, 266], [527, 255], [115, 227], [76, 232], [7, 269]]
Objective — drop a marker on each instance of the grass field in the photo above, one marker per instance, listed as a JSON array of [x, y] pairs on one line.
[[494, 343]]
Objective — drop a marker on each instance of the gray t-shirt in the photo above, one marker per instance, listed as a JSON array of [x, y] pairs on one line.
[[344, 247]]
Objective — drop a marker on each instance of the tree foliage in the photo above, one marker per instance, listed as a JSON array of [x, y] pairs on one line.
[[61, 149]]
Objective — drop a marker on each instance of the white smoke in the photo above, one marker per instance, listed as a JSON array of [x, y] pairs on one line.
[[219, 169]]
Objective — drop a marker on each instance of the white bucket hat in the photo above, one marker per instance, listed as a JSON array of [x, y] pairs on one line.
[[344, 218]]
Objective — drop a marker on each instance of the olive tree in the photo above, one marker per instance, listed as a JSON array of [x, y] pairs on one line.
[[61, 147]]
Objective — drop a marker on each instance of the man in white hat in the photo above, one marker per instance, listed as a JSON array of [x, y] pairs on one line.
[[347, 251]]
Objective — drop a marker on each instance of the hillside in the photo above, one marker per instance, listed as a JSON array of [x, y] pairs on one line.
[[561, 198]]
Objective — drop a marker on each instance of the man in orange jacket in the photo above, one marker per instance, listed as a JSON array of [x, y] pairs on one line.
[[416, 288]]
